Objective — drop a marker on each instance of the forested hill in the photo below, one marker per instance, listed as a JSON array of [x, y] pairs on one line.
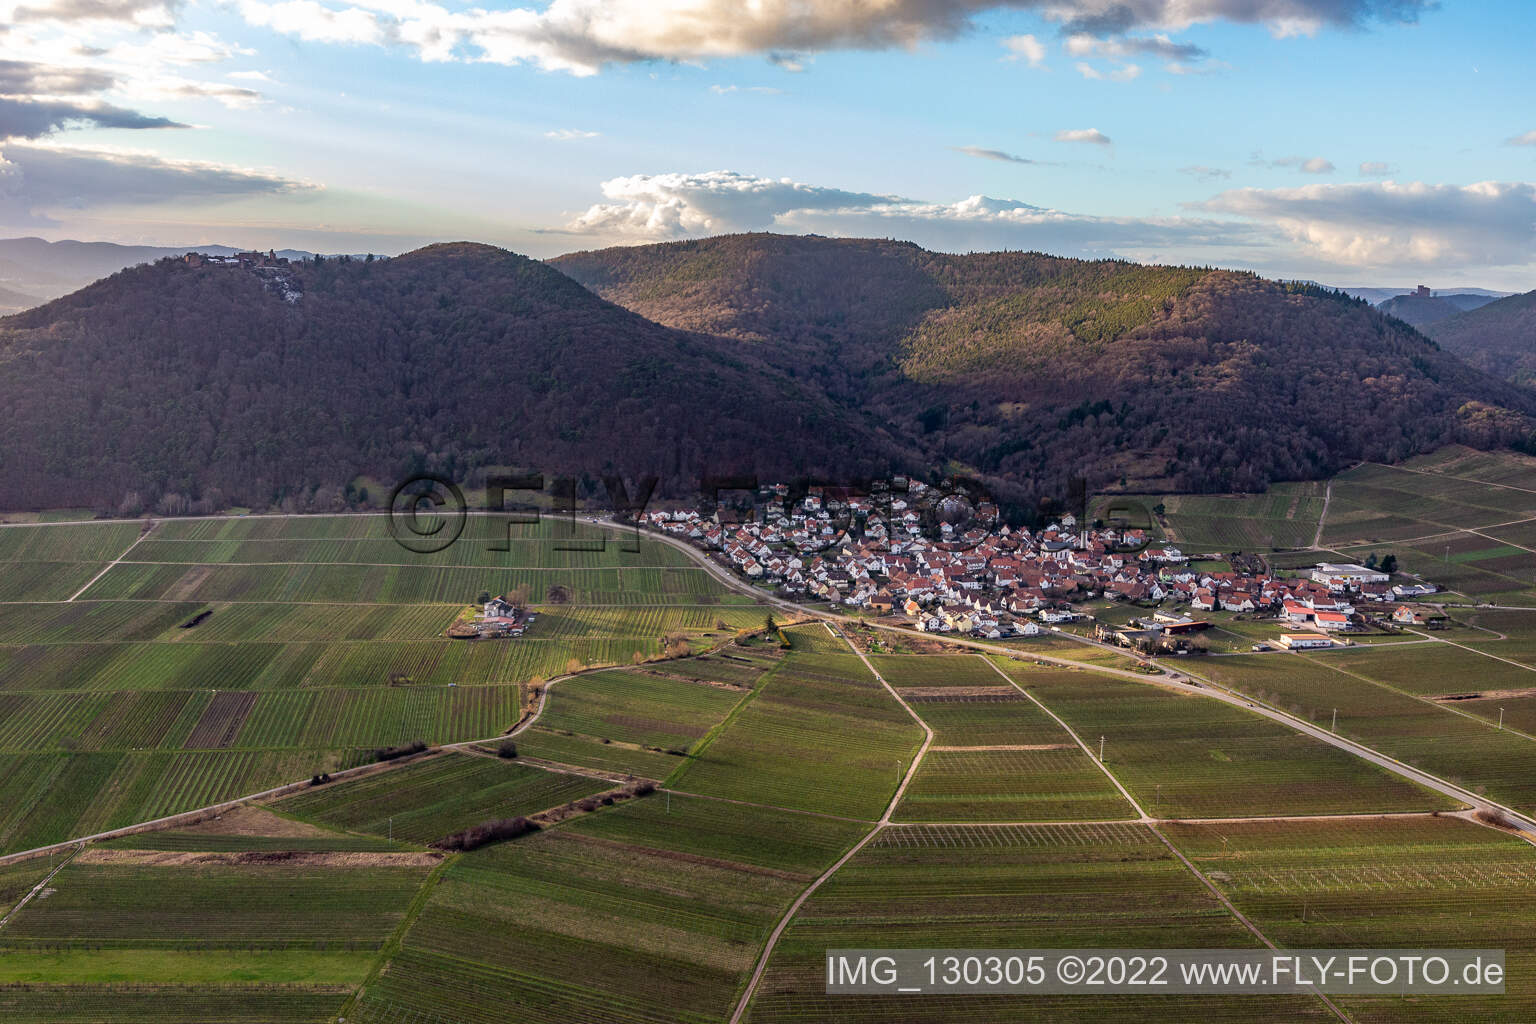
[[1028, 368], [1499, 337], [210, 384], [179, 386]]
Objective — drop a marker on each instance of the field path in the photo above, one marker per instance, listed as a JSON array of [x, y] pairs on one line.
[[1141, 813], [39, 887], [113, 564], [1151, 823], [1322, 517], [885, 820]]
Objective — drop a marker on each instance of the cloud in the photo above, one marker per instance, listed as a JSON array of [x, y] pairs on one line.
[[1204, 173], [763, 90], [1528, 139], [1090, 135], [1026, 48], [568, 134], [19, 77], [581, 36], [142, 13], [1387, 224], [35, 179], [1084, 45], [32, 119], [669, 206], [1304, 164], [1376, 169], [1123, 73], [994, 154], [316, 23], [676, 205]]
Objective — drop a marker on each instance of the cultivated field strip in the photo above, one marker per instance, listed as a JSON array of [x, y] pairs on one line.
[[1010, 785], [426, 801], [48, 798], [399, 584], [1007, 887], [1471, 753], [257, 940], [819, 734], [1182, 755], [671, 902], [1010, 835], [67, 542], [1384, 883]]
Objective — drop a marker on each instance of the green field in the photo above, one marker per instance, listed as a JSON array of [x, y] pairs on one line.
[[1468, 751], [1011, 785], [935, 670], [1285, 516], [640, 913], [638, 707], [226, 656], [1010, 887], [428, 800], [1385, 883], [124, 937], [1183, 755], [820, 735], [318, 639]]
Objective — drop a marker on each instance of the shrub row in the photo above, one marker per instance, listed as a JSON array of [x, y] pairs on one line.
[[404, 750], [487, 832]]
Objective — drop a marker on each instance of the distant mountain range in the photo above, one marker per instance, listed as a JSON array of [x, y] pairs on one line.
[[1499, 337], [1421, 310], [1376, 296], [33, 270], [787, 356]]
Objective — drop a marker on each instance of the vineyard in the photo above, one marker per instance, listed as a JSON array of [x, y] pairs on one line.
[[1405, 882], [399, 584], [1182, 755], [428, 800], [1025, 887], [629, 915], [1011, 785], [1467, 750], [819, 734], [120, 938], [228, 656]]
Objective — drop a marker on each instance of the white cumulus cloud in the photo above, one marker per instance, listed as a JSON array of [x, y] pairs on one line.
[[1090, 135], [1389, 224]]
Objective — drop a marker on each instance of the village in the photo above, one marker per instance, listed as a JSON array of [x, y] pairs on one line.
[[897, 555]]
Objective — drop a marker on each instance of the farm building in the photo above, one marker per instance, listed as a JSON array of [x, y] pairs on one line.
[[1304, 641]]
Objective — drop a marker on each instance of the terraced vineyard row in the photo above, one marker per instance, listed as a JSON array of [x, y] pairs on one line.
[[398, 584], [427, 801], [48, 798]]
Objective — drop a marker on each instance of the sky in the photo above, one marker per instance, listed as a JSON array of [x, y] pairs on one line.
[[1354, 142]]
